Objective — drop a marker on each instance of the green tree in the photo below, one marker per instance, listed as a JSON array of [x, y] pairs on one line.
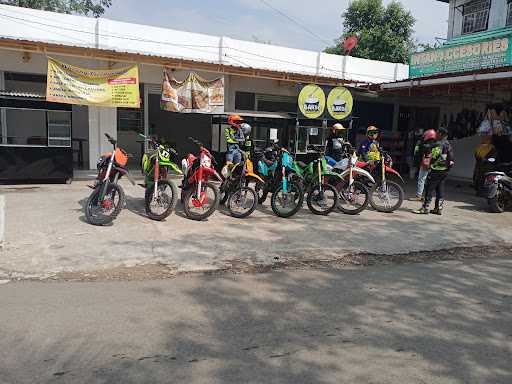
[[384, 33], [81, 7]]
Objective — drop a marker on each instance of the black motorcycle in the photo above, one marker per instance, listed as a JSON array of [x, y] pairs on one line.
[[497, 188]]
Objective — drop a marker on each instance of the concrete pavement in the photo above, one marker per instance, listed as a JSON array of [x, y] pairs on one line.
[[439, 323], [46, 234]]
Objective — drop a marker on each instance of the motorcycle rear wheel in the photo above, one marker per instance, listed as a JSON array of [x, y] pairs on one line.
[[246, 198], [95, 211], [354, 199], [167, 196], [328, 202], [190, 209], [294, 197], [497, 204]]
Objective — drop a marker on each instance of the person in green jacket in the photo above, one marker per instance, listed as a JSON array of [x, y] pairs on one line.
[[441, 162], [234, 136]]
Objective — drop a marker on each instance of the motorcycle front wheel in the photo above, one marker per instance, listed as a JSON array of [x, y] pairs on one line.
[[322, 201], [104, 212], [166, 197], [201, 207], [242, 202], [387, 199], [287, 204], [352, 199]]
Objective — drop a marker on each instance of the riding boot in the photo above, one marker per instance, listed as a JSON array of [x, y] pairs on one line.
[[438, 210], [424, 209]]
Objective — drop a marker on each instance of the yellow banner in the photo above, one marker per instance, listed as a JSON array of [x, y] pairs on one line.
[[117, 87]]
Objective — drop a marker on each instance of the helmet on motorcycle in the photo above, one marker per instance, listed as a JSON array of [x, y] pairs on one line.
[[246, 129], [372, 131], [235, 120], [429, 135]]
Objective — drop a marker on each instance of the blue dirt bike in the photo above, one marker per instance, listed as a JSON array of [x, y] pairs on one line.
[[276, 167]]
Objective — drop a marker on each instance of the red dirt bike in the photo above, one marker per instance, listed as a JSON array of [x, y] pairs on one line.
[[387, 194], [108, 198], [200, 197]]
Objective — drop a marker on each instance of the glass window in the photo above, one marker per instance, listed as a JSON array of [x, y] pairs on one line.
[[476, 16], [26, 127], [245, 101], [509, 14], [59, 129]]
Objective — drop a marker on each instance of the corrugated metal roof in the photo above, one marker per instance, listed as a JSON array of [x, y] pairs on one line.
[[23, 24]]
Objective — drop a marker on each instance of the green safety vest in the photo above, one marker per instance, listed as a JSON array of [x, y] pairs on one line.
[[230, 134]]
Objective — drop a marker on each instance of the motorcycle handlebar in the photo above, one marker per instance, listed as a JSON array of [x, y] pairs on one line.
[[110, 139]]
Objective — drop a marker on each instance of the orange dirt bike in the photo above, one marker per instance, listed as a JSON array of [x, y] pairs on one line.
[[108, 198]]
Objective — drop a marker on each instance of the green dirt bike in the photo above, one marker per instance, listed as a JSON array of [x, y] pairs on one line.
[[161, 194], [316, 179], [235, 190]]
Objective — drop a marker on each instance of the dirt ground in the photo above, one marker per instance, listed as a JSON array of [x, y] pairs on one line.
[[46, 236]]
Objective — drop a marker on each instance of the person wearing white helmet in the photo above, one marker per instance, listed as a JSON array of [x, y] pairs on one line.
[[335, 142]]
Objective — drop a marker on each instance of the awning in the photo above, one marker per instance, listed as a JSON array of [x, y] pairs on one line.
[[21, 94], [267, 115]]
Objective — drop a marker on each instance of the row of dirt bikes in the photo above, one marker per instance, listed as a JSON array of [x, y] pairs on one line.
[[348, 185]]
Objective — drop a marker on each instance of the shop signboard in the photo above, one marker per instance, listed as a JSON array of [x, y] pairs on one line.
[[340, 103], [314, 104], [192, 95], [117, 87], [488, 53]]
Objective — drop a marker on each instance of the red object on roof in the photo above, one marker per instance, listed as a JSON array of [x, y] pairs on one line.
[[349, 44]]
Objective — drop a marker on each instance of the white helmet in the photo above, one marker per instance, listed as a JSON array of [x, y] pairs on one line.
[[246, 129]]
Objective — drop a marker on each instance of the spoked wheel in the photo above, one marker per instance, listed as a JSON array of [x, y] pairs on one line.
[[260, 189], [223, 192], [352, 199], [104, 212], [387, 198], [287, 204], [242, 202], [202, 206], [498, 203], [322, 201], [162, 206]]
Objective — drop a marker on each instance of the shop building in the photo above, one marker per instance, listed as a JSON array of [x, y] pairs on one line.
[[41, 140], [465, 82]]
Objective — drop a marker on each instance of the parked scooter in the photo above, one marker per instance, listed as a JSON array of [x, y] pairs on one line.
[[199, 195], [108, 197], [497, 188], [386, 195], [161, 194]]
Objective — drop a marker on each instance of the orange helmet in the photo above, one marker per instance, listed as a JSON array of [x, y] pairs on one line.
[[235, 120]]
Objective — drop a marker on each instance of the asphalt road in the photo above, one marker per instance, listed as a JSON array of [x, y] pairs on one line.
[[447, 322]]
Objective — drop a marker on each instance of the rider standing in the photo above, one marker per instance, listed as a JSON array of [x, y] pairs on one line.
[[335, 142], [370, 148], [441, 162], [234, 136]]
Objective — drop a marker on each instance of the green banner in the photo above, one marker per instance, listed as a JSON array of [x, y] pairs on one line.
[[490, 53]]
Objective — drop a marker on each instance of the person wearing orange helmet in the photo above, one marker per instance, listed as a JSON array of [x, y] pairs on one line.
[[234, 136]]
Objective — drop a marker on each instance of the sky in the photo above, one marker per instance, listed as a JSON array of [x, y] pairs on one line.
[[253, 20]]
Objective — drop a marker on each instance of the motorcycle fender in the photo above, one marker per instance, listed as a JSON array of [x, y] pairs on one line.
[[395, 173], [176, 169], [124, 172], [491, 190], [359, 171], [254, 176]]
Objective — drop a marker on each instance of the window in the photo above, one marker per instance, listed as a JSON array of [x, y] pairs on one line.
[[475, 16], [35, 127], [59, 129], [509, 13], [245, 101]]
